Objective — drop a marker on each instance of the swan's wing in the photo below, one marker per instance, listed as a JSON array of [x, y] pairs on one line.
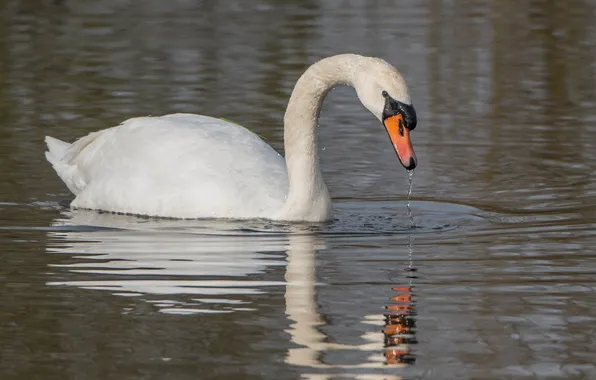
[[177, 165]]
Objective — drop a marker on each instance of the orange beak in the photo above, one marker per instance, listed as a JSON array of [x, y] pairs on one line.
[[400, 138]]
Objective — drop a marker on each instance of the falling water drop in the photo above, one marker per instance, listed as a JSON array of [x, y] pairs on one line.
[[412, 224], [411, 183]]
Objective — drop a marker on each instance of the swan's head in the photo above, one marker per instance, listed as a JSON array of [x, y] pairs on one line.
[[383, 91]]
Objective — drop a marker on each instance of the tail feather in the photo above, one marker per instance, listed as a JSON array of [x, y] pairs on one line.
[[56, 150], [57, 156]]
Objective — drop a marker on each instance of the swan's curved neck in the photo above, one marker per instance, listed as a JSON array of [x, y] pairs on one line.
[[308, 198]]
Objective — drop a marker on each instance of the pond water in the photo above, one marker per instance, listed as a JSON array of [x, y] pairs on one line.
[[495, 278]]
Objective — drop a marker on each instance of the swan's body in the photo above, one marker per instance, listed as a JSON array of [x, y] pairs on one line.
[[181, 165], [193, 166]]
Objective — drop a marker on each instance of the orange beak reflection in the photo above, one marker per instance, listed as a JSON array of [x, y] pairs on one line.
[[400, 138]]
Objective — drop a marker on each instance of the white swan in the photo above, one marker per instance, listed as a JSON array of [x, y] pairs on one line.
[[194, 166]]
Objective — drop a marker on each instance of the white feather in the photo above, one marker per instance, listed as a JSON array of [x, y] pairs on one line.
[[181, 166]]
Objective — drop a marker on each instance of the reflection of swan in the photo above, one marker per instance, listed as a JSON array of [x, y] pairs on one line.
[[186, 267], [193, 166], [302, 310], [157, 258]]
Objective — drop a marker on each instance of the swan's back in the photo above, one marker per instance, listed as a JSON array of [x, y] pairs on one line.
[[180, 165]]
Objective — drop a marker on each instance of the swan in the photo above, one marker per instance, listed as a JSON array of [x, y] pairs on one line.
[[193, 166]]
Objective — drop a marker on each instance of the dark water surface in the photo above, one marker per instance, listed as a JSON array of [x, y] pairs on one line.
[[497, 278]]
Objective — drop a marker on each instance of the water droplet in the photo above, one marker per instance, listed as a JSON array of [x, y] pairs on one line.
[[412, 224], [411, 185], [411, 182]]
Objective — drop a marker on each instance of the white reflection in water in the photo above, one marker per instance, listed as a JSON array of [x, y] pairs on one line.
[[165, 257], [301, 308], [211, 258]]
